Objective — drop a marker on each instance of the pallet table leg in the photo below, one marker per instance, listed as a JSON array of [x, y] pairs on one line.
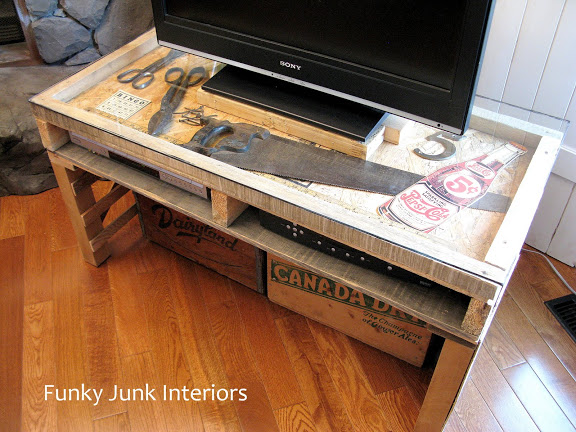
[[77, 204], [476, 316], [226, 209], [52, 136], [449, 376]]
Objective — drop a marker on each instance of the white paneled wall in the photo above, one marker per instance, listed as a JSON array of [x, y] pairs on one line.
[[530, 62], [499, 52], [556, 88], [533, 45]]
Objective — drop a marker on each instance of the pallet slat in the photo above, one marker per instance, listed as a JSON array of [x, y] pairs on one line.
[[100, 240], [104, 204]]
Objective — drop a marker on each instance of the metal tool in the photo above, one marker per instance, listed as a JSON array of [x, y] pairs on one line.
[[193, 116], [449, 148], [179, 83], [242, 136], [254, 148], [142, 78]]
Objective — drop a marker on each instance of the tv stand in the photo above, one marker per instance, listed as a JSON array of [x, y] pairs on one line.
[[334, 114], [472, 262]]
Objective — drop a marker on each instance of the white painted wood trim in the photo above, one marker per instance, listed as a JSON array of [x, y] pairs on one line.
[[537, 33]]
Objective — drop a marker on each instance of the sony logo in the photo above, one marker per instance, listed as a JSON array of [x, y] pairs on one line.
[[290, 65]]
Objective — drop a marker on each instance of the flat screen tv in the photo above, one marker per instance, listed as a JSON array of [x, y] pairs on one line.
[[419, 59]]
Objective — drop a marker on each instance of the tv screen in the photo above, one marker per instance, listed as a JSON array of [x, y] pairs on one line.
[[418, 59]]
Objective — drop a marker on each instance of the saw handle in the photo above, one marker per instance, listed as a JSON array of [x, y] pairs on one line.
[[211, 138], [219, 135]]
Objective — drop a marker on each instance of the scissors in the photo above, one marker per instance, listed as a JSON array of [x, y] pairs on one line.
[[142, 78], [179, 82]]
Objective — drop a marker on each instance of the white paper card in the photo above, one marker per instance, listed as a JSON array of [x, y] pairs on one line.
[[122, 104]]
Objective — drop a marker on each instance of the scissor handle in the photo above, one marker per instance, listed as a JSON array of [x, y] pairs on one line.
[[138, 77], [143, 80], [200, 71], [180, 80], [177, 74], [179, 83], [129, 75]]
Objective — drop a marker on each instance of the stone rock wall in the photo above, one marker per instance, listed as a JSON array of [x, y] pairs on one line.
[[24, 165], [74, 32]]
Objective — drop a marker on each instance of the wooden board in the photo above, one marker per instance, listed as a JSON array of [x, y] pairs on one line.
[[201, 243], [347, 310]]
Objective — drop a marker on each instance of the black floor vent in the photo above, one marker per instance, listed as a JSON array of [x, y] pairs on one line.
[[564, 309]]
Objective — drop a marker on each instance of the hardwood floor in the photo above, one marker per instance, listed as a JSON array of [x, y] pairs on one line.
[[524, 376], [149, 319]]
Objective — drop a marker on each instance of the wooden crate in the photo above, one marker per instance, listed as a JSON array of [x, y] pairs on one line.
[[202, 243], [358, 315]]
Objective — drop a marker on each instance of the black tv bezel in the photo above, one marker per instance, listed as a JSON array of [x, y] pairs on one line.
[[446, 109]]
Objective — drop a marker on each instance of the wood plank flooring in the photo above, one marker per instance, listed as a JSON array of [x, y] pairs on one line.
[[523, 378], [149, 320]]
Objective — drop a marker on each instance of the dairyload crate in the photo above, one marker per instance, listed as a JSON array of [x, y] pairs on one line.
[[347, 310], [202, 243]]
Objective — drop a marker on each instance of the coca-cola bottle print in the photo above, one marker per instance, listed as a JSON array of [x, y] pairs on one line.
[[442, 194]]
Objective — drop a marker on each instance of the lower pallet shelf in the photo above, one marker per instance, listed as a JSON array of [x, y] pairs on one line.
[[443, 309]]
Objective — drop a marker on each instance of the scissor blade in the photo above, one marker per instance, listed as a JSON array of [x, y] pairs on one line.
[[158, 122], [173, 97]]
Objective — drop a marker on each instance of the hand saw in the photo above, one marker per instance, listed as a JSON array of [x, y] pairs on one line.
[[253, 148]]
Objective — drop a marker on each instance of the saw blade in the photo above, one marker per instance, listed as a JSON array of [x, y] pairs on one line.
[[288, 158], [256, 150]]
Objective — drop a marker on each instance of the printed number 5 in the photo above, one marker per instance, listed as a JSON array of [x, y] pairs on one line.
[[461, 185]]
